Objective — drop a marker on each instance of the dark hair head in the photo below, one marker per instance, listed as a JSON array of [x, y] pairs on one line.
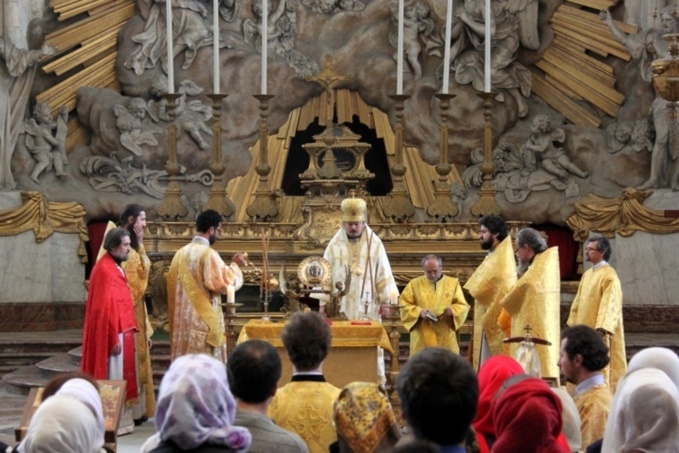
[[533, 239], [602, 245], [131, 210], [208, 219], [589, 344], [434, 382], [254, 369], [54, 384], [496, 225], [306, 338], [114, 238]]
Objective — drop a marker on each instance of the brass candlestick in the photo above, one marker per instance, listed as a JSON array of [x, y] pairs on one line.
[[486, 204], [399, 208], [442, 208], [394, 318], [265, 207], [219, 201], [172, 207], [230, 317]]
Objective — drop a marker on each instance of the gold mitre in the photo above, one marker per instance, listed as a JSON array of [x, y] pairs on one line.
[[353, 210]]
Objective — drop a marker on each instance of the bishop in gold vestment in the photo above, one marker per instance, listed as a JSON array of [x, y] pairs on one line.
[[491, 281], [439, 295], [598, 304], [534, 300]]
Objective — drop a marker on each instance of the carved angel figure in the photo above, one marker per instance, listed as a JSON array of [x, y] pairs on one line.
[[334, 6], [130, 123], [253, 29], [190, 115], [416, 22], [514, 23], [48, 150]]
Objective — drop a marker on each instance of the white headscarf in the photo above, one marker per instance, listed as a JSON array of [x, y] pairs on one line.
[[571, 419], [62, 424], [87, 394], [662, 359], [196, 407], [644, 414]]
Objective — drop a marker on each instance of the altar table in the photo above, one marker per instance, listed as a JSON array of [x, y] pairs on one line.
[[352, 356]]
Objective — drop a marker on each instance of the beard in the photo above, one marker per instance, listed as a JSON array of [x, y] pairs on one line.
[[212, 239], [354, 236], [487, 245], [522, 267]]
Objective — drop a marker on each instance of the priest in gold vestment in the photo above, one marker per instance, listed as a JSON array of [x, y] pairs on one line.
[[488, 285], [305, 405], [434, 308], [598, 304], [582, 356], [195, 281], [535, 298]]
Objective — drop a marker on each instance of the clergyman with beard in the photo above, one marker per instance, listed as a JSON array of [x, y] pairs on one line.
[[434, 308], [491, 281], [535, 298], [108, 335], [196, 278]]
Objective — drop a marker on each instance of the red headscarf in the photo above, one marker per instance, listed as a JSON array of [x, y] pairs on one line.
[[528, 419], [493, 373]]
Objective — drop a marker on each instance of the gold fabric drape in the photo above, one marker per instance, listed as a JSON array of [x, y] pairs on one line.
[[624, 216], [44, 218]]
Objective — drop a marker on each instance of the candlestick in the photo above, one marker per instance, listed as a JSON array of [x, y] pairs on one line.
[[230, 294], [399, 49], [446, 51], [215, 45], [487, 69], [265, 43], [170, 47]]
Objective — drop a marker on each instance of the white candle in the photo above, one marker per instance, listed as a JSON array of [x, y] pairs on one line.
[[215, 43], [230, 294], [399, 49], [265, 42], [446, 52], [487, 70], [394, 297], [170, 52]]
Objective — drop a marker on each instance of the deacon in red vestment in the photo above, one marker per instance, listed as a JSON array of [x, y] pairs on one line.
[[108, 335]]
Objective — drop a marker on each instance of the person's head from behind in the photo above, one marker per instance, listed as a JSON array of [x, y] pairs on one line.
[[117, 243], [196, 407], [307, 339], [432, 383], [254, 369], [663, 359], [208, 223], [492, 230], [133, 215], [364, 419], [54, 385], [582, 352]]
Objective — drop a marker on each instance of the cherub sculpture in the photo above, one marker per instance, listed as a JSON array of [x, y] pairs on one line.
[[253, 29], [416, 21], [130, 123], [48, 150]]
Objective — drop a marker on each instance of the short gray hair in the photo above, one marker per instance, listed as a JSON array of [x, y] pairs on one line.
[[533, 239], [114, 238], [431, 256]]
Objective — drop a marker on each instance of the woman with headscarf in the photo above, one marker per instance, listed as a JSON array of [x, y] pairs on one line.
[[662, 359], [493, 373], [527, 419], [644, 415], [195, 409], [364, 419]]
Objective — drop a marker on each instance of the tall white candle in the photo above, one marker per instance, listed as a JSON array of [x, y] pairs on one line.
[[446, 52], [215, 44], [230, 294], [399, 48], [265, 42], [170, 46], [487, 69]]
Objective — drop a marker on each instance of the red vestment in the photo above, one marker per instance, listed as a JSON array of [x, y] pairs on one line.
[[108, 313]]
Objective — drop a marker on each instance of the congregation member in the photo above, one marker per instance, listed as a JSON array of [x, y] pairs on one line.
[[491, 281], [108, 350], [254, 369], [364, 420], [644, 415], [434, 308], [305, 405], [662, 359], [492, 375], [598, 304], [196, 410], [438, 391], [534, 300], [582, 358], [195, 282]]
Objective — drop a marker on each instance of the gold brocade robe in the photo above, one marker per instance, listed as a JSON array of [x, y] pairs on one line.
[[598, 304], [491, 281], [196, 278], [593, 405], [306, 408], [137, 270], [434, 296], [534, 300]]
